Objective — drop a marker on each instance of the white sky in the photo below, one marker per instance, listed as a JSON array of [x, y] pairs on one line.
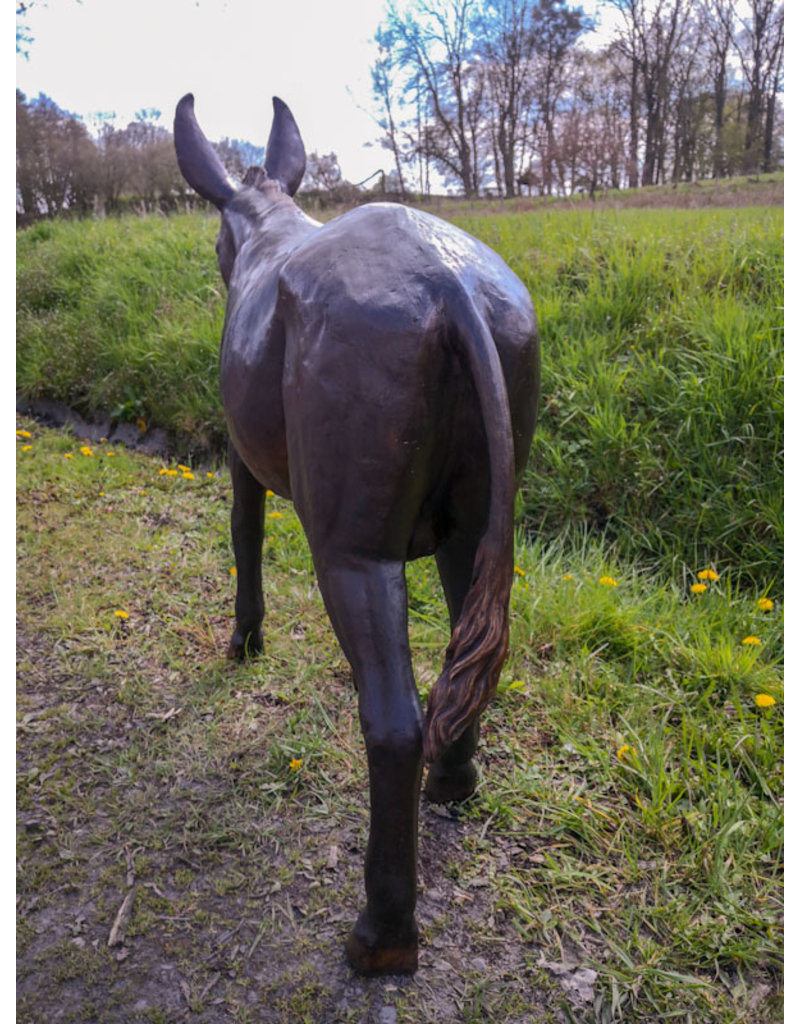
[[234, 55], [124, 55]]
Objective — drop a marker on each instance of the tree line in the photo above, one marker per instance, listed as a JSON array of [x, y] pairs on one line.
[[63, 168], [494, 96], [498, 96]]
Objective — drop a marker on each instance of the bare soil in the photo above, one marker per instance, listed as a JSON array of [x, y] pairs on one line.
[[122, 917]]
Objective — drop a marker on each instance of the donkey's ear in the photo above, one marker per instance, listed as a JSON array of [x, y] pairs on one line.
[[286, 154], [197, 158]]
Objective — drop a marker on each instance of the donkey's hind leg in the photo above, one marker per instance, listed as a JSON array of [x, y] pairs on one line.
[[367, 603], [247, 533], [454, 776]]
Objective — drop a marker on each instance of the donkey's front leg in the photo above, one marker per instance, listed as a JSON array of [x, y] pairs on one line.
[[367, 603], [247, 532]]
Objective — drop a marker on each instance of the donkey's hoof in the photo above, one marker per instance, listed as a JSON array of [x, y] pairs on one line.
[[446, 785], [396, 956], [245, 645]]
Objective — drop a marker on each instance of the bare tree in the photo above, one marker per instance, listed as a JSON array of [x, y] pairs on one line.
[[436, 49], [54, 159], [506, 47], [759, 45], [383, 74], [555, 29], [323, 171], [653, 34], [716, 21]]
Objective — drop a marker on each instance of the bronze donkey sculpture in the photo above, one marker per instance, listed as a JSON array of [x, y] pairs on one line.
[[382, 372]]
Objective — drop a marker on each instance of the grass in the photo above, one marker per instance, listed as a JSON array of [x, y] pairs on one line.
[[628, 820], [661, 423], [123, 317], [622, 859], [662, 419]]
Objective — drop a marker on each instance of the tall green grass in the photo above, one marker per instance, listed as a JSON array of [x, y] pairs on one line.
[[661, 418], [123, 318], [662, 411]]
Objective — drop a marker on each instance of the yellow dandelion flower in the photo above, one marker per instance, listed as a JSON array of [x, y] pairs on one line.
[[120, 614], [518, 571], [708, 574], [567, 576], [608, 581], [296, 764], [764, 604], [753, 641], [187, 476], [763, 700], [86, 450], [270, 494], [26, 447], [699, 588], [172, 472], [626, 752], [274, 515], [111, 454], [67, 455], [23, 433], [163, 471], [209, 474], [184, 469], [233, 570], [102, 494]]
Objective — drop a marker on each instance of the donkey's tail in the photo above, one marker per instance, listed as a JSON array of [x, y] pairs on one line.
[[479, 643]]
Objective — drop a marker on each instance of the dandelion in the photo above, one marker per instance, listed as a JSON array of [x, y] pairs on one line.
[[172, 472], [275, 515], [763, 700], [210, 474], [567, 576], [708, 574], [184, 469], [24, 433], [26, 447], [518, 571], [67, 455], [608, 581], [120, 614], [699, 588], [188, 476], [270, 494], [626, 752], [86, 450], [296, 764], [752, 641], [111, 454], [764, 603], [233, 570]]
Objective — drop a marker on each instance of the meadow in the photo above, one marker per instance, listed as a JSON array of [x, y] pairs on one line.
[[662, 417], [622, 859]]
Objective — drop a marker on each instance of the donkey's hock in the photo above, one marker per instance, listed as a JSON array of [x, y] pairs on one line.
[[382, 372]]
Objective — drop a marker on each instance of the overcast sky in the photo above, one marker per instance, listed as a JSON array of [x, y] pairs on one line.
[[124, 55], [120, 56]]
